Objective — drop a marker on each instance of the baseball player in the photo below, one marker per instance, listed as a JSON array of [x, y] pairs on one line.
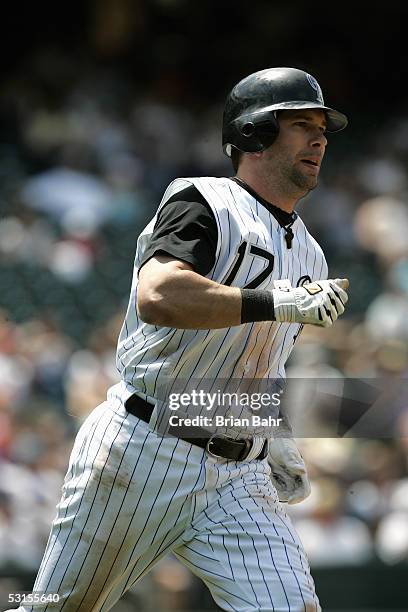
[[225, 276]]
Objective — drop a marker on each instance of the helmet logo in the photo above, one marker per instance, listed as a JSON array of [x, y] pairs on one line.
[[313, 83]]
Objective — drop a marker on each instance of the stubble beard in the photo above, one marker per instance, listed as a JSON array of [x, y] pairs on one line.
[[292, 180], [300, 181]]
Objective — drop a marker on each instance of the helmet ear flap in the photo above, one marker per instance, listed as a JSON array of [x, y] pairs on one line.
[[258, 132], [251, 132]]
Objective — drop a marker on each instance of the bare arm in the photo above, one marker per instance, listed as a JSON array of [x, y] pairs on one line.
[[171, 294]]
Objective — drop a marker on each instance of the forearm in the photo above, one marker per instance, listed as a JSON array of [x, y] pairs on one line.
[[171, 294], [186, 300]]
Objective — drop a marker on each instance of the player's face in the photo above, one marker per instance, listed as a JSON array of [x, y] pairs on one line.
[[296, 155]]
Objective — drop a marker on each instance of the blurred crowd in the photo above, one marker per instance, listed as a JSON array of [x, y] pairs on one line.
[[81, 174]]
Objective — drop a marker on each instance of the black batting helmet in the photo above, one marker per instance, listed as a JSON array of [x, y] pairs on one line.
[[250, 123]]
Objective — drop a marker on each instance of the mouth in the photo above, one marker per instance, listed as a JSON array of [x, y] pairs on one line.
[[312, 164]]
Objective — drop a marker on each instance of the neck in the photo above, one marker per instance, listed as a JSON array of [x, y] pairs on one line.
[[270, 192]]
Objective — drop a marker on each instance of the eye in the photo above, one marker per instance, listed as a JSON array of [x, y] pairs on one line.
[[309, 126]]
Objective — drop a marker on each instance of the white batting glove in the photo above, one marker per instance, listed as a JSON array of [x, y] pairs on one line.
[[319, 303], [289, 474]]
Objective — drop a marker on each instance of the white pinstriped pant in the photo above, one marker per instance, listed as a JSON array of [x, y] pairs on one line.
[[130, 497]]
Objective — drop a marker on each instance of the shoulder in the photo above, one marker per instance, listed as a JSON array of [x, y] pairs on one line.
[[206, 185], [189, 205], [187, 193], [211, 192]]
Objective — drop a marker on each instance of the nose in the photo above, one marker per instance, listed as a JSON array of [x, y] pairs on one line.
[[318, 140]]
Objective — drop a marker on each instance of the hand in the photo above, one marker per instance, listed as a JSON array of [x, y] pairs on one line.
[[318, 303], [289, 475]]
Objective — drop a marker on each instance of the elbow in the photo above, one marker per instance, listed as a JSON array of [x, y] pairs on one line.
[[150, 308]]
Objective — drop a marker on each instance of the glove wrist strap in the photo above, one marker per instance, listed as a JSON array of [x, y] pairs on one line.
[[285, 306]]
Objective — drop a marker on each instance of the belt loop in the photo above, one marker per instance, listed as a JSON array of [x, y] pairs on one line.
[[255, 450]]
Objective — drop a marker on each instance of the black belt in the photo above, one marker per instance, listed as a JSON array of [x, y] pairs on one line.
[[217, 446]]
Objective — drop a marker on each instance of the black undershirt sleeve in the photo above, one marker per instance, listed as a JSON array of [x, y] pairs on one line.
[[185, 229]]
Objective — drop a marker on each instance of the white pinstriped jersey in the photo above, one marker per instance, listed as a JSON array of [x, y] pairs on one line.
[[251, 252]]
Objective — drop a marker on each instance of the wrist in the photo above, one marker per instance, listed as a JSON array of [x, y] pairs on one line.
[[257, 305]]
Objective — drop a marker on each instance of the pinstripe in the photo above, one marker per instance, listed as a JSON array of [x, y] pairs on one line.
[[321, 268], [272, 556], [144, 353], [218, 587], [271, 324], [236, 208], [140, 497], [287, 528], [298, 259], [278, 341], [209, 543], [257, 238], [169, 504], [158, 357], [164, 514], [197, 552], [220, 240], [49, 548], [69, 533], [223, 537], [307, 247], [101, 518], [265, 237], [119, 354], [203, 355], [277, 571], [148, 435], [307, 575], [251, 350], [160, 488], [176, 371], [252, 521], [205, 569], [224, 545], [173, 496], [200, 567], [90, 509], [217, 255], [70, 475], [219, 524], [293, 571], [142, 348], [150, 354], [228, 555], [158, 555], [216, 373], [129, 582], [243, 556]]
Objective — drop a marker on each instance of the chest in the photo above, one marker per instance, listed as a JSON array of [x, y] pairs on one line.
[[260, 251]]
